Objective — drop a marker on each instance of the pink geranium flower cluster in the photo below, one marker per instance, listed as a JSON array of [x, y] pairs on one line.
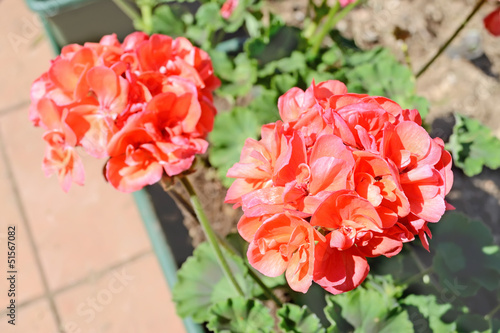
[[145, 104], [341, 178]]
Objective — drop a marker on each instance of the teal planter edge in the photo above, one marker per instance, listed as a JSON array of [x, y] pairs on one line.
[[53, 7], [161, 248]]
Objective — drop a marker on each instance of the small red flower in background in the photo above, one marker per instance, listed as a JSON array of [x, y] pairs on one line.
[[146, 104], [344, 3], [492, 22], [360, 174], [228, 8]]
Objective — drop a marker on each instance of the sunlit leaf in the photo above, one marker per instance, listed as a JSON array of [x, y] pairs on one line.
[[473, 146], [294, 318], [240, 315], [432, 311]]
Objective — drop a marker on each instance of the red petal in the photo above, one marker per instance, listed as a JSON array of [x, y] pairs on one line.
[[492, 22], [338, 271]]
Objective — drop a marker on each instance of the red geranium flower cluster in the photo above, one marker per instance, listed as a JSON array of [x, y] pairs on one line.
[[146, 104], [342, 177], [492, 22]]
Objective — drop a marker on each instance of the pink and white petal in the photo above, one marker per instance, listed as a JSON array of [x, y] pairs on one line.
[[270, 263]]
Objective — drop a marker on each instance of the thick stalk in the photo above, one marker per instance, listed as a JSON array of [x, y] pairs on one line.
[[490, 314], [452, 37], [423, 269], [147, 15], [318, 39], [418, 276], [184, 203], [210, 234], [331, 21], [128, 10]]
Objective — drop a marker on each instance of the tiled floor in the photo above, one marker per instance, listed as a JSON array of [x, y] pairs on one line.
[[84, 261]]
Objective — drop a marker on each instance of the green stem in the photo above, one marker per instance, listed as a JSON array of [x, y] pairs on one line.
[[448, 42], [210, 234], [490, 314], [416, 277], [268, 292], [128, 10], [331, 20], [423, 269], [318, 39], [147, 16], [404, 47]]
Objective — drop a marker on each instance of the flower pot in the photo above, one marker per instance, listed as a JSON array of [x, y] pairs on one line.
[[80, 21]]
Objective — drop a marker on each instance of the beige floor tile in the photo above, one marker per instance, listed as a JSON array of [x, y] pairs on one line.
[[79, 232], [28, 281], [131, 299], [35, 317], [24, 52]]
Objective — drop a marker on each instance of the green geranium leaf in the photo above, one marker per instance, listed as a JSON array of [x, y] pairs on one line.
[[283, 82], [208, 16], [253, 25], [201, 283], [264, 104], [223, 66], [451, 255], [196, 34], [318, 76], [472, 323], [294, 318], [473, 146], [278, 44], [241, 15], [333, 56], [370, 308], [168, 22], [432, 311], [495, 325], [397, 322], [295, 63], [231, 130], [240, 315], [378, 73], [460, 261], [242, 78]]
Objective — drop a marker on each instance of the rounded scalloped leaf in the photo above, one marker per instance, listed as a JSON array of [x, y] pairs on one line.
[[369, 309], [294, 318], [201, 283], [429, 308], [240, 315]]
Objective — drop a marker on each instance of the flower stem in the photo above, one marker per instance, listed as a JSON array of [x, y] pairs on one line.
[[448, 42], [490, 314], [415, 277], [318, 39], [146, 7], [210, 234], [268, 292], [128, 10], [189, 209], [331, 20], [423, 269]]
